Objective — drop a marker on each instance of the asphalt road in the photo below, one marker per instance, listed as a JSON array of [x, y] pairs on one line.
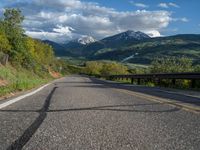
[[85, 113]]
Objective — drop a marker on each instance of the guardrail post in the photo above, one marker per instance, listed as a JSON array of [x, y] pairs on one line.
[[173, 81], [138, 81], [193, 83], [159, 81], [132, 80], [158, 78]]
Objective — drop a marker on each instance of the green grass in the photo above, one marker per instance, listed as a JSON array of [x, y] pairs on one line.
[[19, 80]]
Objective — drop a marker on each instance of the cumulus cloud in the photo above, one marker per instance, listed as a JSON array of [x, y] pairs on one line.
[[141, 5], [167, 5], [163, 5], [64, 20], [174, 5], [184, 19]]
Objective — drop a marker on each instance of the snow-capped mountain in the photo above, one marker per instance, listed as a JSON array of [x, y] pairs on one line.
[[86, 45], [86, 40], [128, 35], [139, 35]]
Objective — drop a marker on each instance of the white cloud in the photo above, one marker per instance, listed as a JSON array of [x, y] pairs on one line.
[[141, 5], [63, 20], [184, 19], [63, 30], [174, 5], [153, 33], [163, 5], [44, 35], [167, 5]]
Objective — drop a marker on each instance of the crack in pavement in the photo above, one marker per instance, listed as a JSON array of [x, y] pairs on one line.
[[29, 132]]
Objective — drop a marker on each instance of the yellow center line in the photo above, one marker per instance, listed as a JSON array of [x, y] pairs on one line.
[[185, 107]]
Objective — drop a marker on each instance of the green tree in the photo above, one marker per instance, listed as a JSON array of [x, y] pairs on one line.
[[93, 68], [15, 34], [24, 51], [4, 43], [171, 65], [13, 18], [113, 69], [197, 68]]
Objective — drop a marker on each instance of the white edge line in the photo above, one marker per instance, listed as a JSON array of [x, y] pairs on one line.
[[21, 97]]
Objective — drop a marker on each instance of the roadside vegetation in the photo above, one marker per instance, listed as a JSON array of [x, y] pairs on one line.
[[98, 68], [13, 80], [26, 62], [30, 61], [159, 65]]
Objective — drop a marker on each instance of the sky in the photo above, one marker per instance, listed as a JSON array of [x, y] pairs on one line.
[[64, 20]]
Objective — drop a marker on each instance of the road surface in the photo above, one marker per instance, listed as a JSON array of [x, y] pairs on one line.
[[88, 114]]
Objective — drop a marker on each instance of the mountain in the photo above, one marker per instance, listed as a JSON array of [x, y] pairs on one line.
[[136, 47], [74, 47], [87, 45], [86, 40], [143, 52], [128, 36], [119, 40]]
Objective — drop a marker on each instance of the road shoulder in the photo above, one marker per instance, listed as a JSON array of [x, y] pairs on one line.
[[187, 101]]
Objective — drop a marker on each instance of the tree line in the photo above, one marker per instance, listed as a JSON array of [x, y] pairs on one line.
[[23, 51], [159, 65]]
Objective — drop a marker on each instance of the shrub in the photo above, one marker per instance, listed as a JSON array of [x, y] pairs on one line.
[[171, 64], [104, 68]]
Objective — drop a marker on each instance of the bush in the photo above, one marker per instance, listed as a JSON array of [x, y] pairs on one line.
[[93, 68], [104, 68], [171, 65], [113, 69]]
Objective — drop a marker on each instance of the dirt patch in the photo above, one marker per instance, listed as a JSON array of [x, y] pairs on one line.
[[55, 74], [3, 82]]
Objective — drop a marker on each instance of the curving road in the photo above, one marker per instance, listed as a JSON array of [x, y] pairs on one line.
[[84, 113]]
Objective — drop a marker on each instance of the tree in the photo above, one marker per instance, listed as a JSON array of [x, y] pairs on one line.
[[197, 68], [23, 51], [171, 65], [93, 68], [113, 69], [15, 34], [13, 18], [4, 43]]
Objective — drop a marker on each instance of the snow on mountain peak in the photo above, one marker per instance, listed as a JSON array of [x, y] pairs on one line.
[[86, 40], [136, 35]]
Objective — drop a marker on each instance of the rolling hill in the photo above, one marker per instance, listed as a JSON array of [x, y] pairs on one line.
[[135, 47]]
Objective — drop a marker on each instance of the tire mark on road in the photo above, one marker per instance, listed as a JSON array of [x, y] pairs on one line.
[[29, 132]]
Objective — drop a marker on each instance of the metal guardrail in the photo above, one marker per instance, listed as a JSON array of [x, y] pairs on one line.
[[159, 76]]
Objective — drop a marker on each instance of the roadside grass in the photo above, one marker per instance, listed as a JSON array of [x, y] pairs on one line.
[[19, 80]]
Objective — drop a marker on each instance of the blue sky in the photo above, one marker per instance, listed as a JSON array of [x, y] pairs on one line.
[[189, 9], [62, 20]]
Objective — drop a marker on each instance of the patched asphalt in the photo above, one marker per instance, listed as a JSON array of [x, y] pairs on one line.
[[85, 113]]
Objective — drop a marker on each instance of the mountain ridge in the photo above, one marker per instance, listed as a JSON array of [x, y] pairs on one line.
[[119, 47]]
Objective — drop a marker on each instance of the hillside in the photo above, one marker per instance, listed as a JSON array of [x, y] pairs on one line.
[[137, 47], [145, 51], [87, 46], [25, 62]]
